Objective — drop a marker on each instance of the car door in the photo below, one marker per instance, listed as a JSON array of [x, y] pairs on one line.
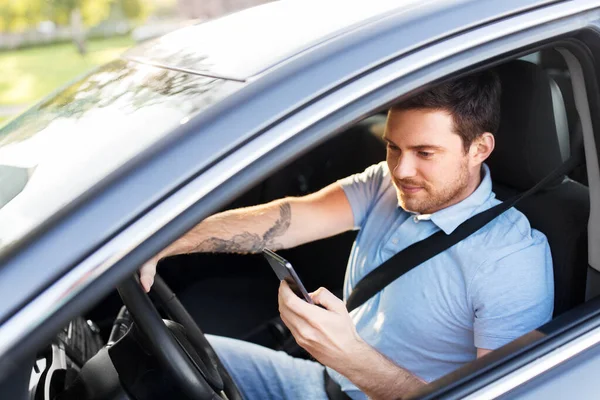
[[177, 209]]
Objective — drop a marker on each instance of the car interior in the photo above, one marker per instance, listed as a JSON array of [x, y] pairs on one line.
[[236, 295], [539, 130]]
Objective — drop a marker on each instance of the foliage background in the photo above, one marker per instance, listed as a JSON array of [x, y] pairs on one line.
[[17, 16], [45, 44]]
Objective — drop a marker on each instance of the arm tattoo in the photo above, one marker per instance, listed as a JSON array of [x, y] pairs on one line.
[[280, 226], [247, 242]]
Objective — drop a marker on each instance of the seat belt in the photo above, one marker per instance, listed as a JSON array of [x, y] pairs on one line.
[[421, 251]]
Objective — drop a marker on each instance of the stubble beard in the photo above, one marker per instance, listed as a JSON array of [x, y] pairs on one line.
[[433, 199]]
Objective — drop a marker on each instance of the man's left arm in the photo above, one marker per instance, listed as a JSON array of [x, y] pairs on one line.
[[330, 336], [483, 352], [381, 378]]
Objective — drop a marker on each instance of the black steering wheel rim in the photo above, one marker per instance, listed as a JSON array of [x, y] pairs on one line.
[[191, 375]]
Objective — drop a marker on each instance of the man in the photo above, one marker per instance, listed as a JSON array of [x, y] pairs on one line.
[[476, 296]]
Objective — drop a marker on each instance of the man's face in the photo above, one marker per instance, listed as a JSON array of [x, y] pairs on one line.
[[427, 161]]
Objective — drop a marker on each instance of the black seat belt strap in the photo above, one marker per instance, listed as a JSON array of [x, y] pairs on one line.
[[421, 251]]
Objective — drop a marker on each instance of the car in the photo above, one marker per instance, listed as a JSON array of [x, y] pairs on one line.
[[278, 100]]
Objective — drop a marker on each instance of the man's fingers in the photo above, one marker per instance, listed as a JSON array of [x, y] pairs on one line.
[[147, 273], [328, 300], [301, 326], [292, 321], [147, 283], [286, 310], [291, 301], [287, 298]]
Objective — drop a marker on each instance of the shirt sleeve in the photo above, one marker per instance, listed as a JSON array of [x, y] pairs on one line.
[[361, 190], [512, 296]]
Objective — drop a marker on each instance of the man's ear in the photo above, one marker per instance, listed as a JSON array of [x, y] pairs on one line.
[[482, 147]]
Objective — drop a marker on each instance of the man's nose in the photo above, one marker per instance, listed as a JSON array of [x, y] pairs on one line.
[[405, 168]]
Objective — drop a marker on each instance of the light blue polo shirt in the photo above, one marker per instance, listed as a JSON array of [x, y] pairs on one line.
[[483, 292]]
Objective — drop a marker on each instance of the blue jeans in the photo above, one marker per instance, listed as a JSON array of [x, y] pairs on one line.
[[261, 373]]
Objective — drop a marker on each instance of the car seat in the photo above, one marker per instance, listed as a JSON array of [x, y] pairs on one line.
[[553, 63], [528, 147]]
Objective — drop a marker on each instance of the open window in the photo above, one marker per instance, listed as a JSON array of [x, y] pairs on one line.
[[549, 100]]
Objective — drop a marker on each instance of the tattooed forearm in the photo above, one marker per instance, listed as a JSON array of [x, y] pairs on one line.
[[247, 242], [280, 227], [237, 244]]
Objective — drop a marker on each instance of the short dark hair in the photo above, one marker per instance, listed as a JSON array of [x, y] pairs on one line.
[[473, 101]]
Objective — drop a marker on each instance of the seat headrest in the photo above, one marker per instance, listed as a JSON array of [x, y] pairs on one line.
[[531, 123], [551, 59]]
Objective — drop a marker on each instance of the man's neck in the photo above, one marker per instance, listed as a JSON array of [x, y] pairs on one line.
[[474, 182]]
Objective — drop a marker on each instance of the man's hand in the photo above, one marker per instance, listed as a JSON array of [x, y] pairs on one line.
[[327, 334], [330, 337], [147, 273]]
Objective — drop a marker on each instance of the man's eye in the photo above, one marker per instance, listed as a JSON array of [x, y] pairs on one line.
[[425, 154], [392, 147]]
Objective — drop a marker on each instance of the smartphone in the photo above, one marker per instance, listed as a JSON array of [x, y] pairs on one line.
[[285, 272]]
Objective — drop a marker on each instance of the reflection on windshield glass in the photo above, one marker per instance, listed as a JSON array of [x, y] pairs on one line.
[[243, 44], [67, 143], [128, 86], [12, 182]]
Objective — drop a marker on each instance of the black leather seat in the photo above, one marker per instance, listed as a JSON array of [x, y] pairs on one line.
[[323, 263], [528, 147]]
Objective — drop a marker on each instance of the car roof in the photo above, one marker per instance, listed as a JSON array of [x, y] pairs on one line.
[[272, 33]]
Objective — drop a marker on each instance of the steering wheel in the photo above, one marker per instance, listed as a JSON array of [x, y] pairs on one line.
[[181, 349]]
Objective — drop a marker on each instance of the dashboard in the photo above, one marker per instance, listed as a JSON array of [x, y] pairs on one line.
[[57, 365]]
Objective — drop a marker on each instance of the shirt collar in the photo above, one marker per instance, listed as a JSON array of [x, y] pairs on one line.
[[449, 218]]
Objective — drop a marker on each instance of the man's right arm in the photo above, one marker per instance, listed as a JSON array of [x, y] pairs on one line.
[[280, 224]]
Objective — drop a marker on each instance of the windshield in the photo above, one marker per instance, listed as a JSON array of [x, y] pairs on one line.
[[64, 145]]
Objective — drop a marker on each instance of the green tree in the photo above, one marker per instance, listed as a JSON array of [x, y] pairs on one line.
[[18, 15], [81, 13], [134, 9]]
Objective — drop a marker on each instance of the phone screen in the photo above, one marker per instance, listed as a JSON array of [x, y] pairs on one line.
[[284, 271]]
